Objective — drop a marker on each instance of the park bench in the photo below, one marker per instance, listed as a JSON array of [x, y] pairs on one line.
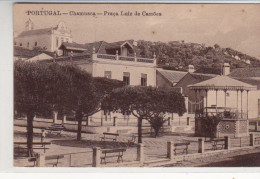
[[112, 153], [109, 136], [131, 141], [181, 146], [56, 159], [55, 129], [218, 144], [36, 145]]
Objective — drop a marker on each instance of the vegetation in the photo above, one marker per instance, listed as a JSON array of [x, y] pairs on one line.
[[37, 89], [178, 55], [167, 101], [145, 103], [209, 124]]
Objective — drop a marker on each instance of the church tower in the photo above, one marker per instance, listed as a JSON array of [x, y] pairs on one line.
[[29, 25]]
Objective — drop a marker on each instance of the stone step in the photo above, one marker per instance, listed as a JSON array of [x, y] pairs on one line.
[[159, 163]]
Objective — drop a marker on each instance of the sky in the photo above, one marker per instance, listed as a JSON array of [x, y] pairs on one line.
[[229, 25]]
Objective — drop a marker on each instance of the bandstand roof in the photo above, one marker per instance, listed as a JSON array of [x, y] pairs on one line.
[[222, 83]]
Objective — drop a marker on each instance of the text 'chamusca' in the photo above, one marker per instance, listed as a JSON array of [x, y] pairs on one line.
[[88, 13]]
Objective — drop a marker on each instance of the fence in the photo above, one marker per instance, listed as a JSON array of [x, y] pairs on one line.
[[141, 155], [94, 158]]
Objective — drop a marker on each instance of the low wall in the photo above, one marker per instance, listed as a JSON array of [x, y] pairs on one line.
[[233, 127], [120, 128], [72, 126]]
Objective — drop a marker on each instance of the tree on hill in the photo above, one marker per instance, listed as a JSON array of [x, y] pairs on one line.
[[148, 103], [193, 54]]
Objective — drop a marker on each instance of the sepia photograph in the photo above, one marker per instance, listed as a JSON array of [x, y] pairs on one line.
[[136, 85]]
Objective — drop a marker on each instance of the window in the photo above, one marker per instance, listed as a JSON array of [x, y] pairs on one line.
[[28, 44], [143, 79], [35, 44], [67, 40], [57, 42], [126, 116], [106, 115], [62, 40], [126, 78], [21, 44], [108, 74]]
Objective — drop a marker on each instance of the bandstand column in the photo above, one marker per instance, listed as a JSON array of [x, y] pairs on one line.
[[247, 103], [199, 100], [241, 104], [206, 102], [196, 97], [216, 101], [225, 98], [237, 103]]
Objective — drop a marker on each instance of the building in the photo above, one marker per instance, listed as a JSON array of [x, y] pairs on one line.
[[234, 99], [168, 78], [48, 39], [111, 60], [21, 53], [122, 48]]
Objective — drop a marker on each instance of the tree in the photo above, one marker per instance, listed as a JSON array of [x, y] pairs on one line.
[[142, 102], [167, 101], [79, 96], [36, 90], [87, 93], [102, 87]]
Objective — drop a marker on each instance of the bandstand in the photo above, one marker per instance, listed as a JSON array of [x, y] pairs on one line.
[[235, 120]]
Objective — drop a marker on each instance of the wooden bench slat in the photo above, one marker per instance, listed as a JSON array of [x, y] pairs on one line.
[[52, 157]]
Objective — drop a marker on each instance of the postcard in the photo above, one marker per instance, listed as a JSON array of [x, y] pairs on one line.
[[136, 85]]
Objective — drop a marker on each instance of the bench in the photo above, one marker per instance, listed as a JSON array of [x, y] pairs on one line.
[[218, 144], [39, 145], [50, 157], [55, 129], [112, 153], [110, 136], [131, 141], [182, 146]]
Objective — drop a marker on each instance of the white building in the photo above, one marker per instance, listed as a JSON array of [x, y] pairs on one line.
[[48, 39], [112, 60]]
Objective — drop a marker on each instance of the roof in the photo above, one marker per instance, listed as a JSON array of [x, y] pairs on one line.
[[202, 77], [116, 45], [39, 57], [246, 72], [100, 46], [74, 46], [27, 53], [172, 76], [222, 83], [35, 32], [255, 82], [206, 70]]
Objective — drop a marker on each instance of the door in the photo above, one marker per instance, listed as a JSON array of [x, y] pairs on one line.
[[258, 107]]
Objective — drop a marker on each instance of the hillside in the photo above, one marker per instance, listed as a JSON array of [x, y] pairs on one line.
[[178, 55]]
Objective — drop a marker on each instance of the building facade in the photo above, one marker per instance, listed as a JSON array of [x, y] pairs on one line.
[[48, 39]]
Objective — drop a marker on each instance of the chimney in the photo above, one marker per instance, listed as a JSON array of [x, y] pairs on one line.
[[191, 69], [226, 69]]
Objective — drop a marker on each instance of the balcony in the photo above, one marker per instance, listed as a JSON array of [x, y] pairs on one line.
[[134, 59]]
